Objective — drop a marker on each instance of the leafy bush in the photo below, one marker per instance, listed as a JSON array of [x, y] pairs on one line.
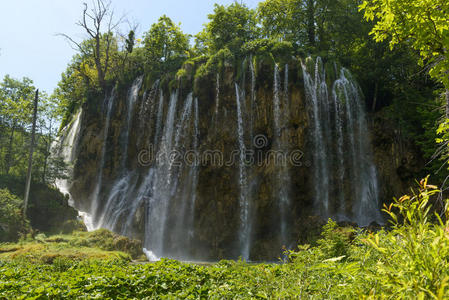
[[12, 222], [413, 258], [335, 241]]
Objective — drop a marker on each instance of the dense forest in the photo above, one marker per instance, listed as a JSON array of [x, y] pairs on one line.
[[361, 88]]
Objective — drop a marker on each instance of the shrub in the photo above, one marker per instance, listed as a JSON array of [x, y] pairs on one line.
[[48, 208], [412, 258], [335, 241], [12, 222]]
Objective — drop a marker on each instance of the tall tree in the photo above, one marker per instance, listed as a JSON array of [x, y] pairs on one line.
[[98, 21], [230, 27], [30, 158], [16, 104], [165, 47]]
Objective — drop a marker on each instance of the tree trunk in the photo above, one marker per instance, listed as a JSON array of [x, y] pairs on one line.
[[30, 159], [311, 22], [48, 143], [8, 156], [98, 61]]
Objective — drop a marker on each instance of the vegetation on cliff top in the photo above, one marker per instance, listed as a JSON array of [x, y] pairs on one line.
[[274, 32]]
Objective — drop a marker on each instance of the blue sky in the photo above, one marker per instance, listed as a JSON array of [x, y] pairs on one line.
[[29, 45]]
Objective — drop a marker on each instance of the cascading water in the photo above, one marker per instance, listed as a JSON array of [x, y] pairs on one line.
[[252, 107], [194, 176], [147, 110], [343, 165], [316, 93], [184, 191], [65, 148], [217, 95], [160, 192], [163, 201], [158, 125], [244, 201], [118, 200], [282, 180], [95, 201], [131, 101], [364, 174]]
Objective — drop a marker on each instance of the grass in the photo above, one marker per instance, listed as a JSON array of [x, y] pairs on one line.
[[409, 260], [101, 245]]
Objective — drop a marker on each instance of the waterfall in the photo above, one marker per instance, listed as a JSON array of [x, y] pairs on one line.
[[168, 201], [95, 201], [363, 174], [342, 157], [170, 209], [186, 182], [131, 101], [194, 175], [316, 91], [338, 125], [253, 98], [118, 199], [245, 222], [147, 111], [160, 192], [217, 95], [65, 148], [282, 179], [158, 125]]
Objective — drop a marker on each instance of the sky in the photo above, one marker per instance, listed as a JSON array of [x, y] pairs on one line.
[[30, 47]]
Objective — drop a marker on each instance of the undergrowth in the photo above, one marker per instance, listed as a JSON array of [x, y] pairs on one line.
[[410, 259]]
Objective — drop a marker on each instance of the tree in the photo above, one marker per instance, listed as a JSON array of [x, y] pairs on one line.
[[277, 18], [310, 24], [94, 20], [71, 91], [30, 159], [49, 118], [16, 111], [422, 24], [230, 27], [166, 47]]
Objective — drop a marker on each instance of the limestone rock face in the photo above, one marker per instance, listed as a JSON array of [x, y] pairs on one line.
[[118, 180]]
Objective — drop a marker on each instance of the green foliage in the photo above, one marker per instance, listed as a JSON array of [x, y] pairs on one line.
[[412, 259], [166, 47], [48, 209], [16, 105], [335, 241], [57, 250], [216, 63], [130, 42], [409, 260], [263, 48], [12, 222], [423, 24], [229, 27], [106, 240]]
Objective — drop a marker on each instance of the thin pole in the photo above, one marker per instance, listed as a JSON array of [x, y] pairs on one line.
[[30, 159]]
